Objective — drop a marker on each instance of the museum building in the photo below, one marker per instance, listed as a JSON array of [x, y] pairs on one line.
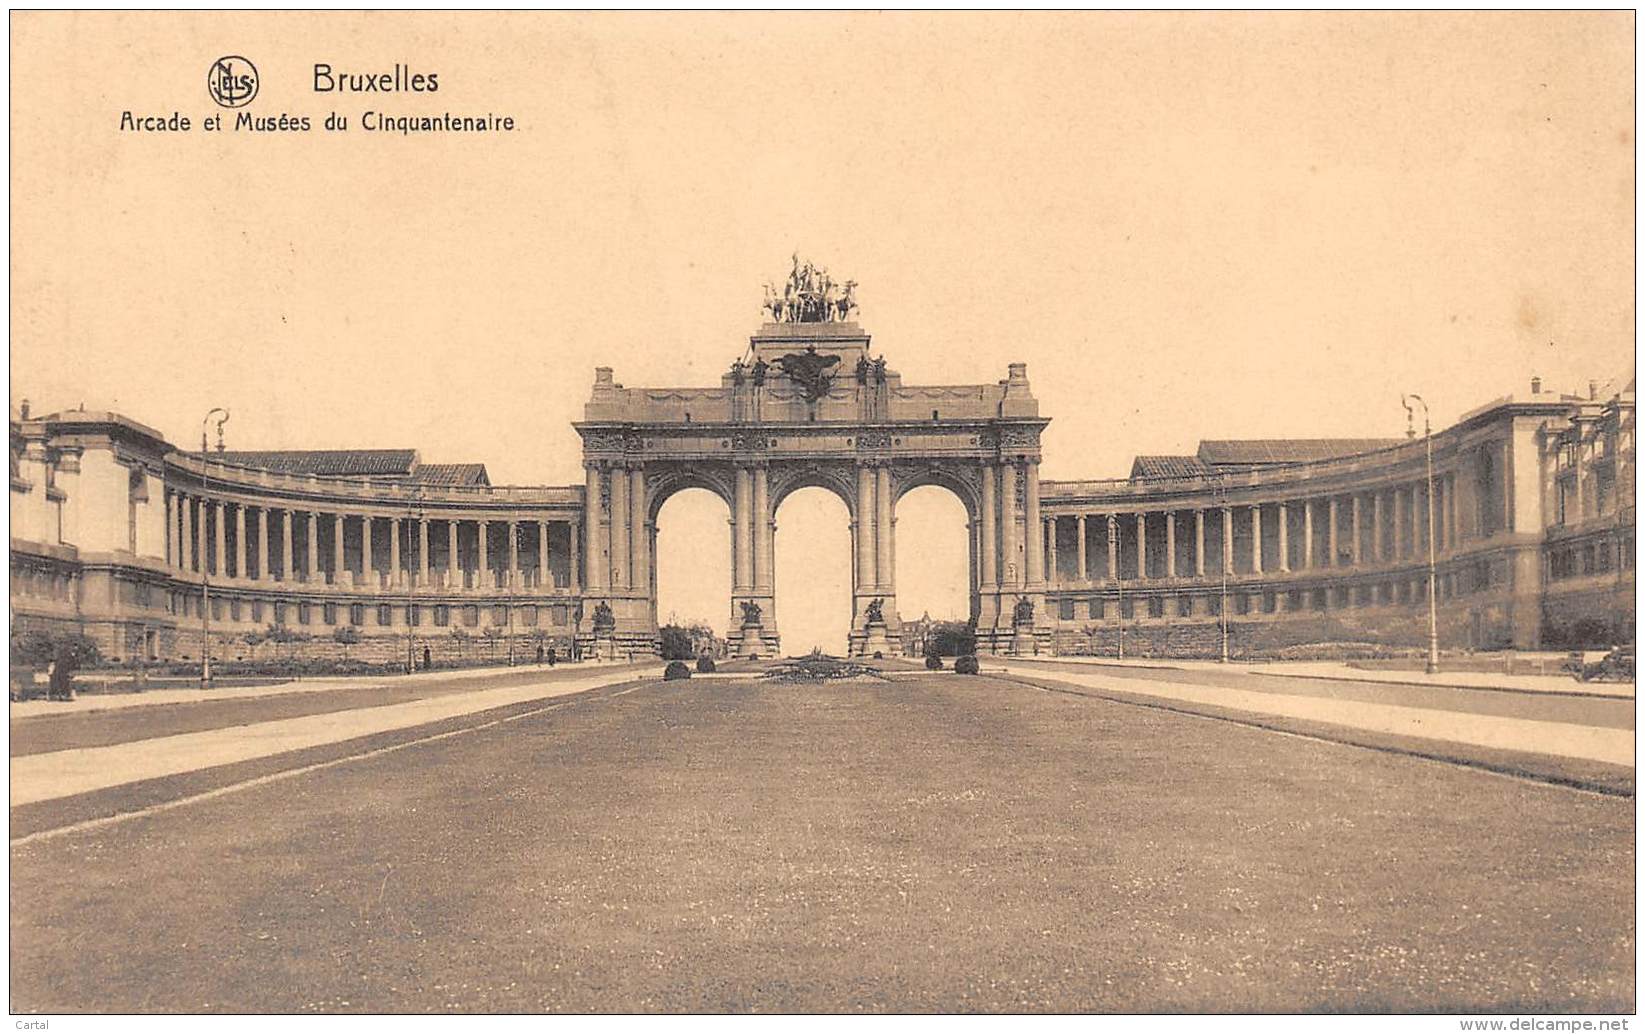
[[1262, 545]]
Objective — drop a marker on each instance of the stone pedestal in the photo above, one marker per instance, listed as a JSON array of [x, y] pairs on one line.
[[875, 639]]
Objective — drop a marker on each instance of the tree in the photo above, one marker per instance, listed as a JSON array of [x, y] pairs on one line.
[[347, 636], [676, 643], [492, 634], [951, 639], [1091, 638], [459, 640]]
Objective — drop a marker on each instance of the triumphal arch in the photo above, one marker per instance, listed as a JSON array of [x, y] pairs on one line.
[[810, 404]]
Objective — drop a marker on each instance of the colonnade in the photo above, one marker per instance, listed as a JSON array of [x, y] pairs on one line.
[[284, 545], [1387, 525]]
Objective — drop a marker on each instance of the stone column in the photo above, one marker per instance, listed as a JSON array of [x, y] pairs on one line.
[[1142, 546], [1084, 568], [454, 569], [394, 552], [1356, 552], [574, 536], [761, 508], [1170, 543], [288, 566], [742, 528], [619, 529], [1011, 573], [883, 530], [219, 537], [593, 547], [1256, 538], [989, 549], [1048, 548], [265, 569], [186, 533], [1397, 530], [368, 577], [639, 550], [512, 578], [1284, 540], [1113, 548], [865, 527], [242, 548], [1417, 545], [1227, 540], [1331, 533], [482, 563], [543, 576], [311, 555], [422, 551], [337, 549], [1307, 533], [1036, 558], [1376, 527], [1199, 543]]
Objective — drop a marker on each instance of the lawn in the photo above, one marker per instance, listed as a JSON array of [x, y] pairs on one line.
[[936, 843]]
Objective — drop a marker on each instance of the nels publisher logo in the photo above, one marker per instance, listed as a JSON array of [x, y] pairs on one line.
[[232, 81]]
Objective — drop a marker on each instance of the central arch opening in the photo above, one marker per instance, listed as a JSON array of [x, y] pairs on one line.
[[694, 561], [933, 558], [813, 572]]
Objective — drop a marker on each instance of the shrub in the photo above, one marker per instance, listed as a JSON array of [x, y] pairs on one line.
[[705, 664], [966, 665], [879, 655], [676, 670], [933, 662]]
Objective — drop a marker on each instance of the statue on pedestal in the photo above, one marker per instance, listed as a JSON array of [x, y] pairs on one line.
[[1023, 613], [874, 613], [751, 614], [603, 619]]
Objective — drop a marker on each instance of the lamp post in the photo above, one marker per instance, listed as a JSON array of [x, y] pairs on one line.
[[221, 416], [1428, 443]]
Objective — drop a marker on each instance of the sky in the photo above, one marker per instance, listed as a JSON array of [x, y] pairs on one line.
[[1187, 225]]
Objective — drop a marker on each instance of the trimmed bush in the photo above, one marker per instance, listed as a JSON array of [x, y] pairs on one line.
[[676, 670], [705, 664], [933, 662], [966, 665]]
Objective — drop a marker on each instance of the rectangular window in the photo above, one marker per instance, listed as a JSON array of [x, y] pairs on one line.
[[442, 615], [1269, 603], [499, 615], [234, 610], [471, 615], [1213, 606], [1127, 608], [1185, 606], [356, 614], [328, 613], [1094, 610], [414, 615], [528, 615], [305, 613], [1156, 607], [1065, 610], [561, 615], [279, 613], [1242, 603], [385, 614]]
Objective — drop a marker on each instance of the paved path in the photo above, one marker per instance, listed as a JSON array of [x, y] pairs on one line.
[[1560, 739], [87, 702], [1558, 684], [63, 773]]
